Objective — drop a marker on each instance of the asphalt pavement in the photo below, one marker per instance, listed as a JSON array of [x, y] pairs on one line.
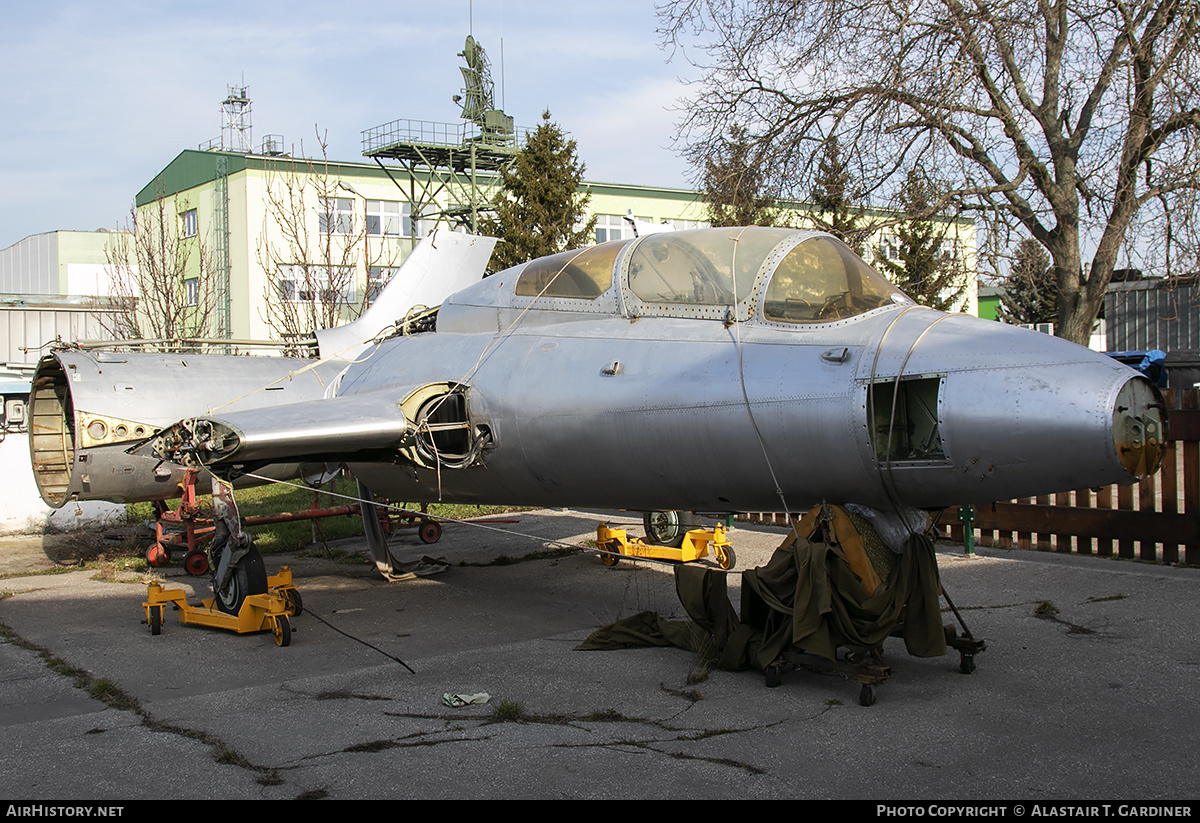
[[1084, 692]]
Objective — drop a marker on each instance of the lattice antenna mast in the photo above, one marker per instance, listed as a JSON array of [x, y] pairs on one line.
[[236, 123]]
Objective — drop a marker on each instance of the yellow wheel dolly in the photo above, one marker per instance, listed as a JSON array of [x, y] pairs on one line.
[[695, 545], [270, 611]]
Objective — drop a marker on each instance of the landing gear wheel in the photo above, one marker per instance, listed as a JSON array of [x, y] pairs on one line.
[[155, 619], [283, 631], [866, 695], [726, 558], [196, 563], [430, 531], [774, 675], [158, 555], [292, 596], [249, 577], [966, 663], [668, 528]]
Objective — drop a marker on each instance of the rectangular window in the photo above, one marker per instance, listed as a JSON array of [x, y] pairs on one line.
[[337, 215], [189, 224], [613, 227], [377, 278], [949, 252], [889, 249], [316, 284], [388, 218], [191, 294]]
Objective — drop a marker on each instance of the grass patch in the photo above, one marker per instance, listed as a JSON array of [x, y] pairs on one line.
[[274, 498], [508, 711], [338, 555], [106, 691], [703, 663], [1045, 610]]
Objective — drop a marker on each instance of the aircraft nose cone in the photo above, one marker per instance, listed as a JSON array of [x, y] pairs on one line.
[[1139, 427]]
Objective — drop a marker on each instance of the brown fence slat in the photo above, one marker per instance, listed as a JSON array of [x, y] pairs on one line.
[[1115, 523]]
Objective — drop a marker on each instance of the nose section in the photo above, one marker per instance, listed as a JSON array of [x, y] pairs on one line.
[[1139, 426], [1017, 413]]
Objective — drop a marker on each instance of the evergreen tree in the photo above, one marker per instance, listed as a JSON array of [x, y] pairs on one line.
[[1030, 291], [733, 185], [832, 210], [539, 209], [925, 271]]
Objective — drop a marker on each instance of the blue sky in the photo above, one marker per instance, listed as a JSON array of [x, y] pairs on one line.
[[99, 97]]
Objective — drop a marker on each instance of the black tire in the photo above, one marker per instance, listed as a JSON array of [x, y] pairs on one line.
[[155, 620], [249, 577], [726, 558], [774, 675], [966, 663], [613, 554], [283, 631], [293, 597], [866, 695], [668, 528]]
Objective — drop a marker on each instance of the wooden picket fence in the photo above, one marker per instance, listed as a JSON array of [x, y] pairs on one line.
[[1156, 520]]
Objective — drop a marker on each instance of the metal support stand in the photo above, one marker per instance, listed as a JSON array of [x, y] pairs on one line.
[[967, 515], [271, 611]]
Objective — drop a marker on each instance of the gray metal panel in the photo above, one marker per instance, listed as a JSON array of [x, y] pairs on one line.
[[32, 328], [1146, 315], [30, 266]]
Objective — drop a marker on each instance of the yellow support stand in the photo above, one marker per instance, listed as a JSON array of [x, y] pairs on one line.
[[271, 611], [696, 543]]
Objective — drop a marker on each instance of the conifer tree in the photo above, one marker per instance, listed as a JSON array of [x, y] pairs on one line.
[[733, 185], [926, 271], [832, 209], [539, 209], [1030, 291]]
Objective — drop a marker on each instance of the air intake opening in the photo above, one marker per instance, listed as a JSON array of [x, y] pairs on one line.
[[51, 431]]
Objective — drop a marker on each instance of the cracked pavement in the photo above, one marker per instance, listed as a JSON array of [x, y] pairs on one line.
[[1092, 701]]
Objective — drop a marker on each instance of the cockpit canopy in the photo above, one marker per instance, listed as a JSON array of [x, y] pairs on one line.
[[785, 276]]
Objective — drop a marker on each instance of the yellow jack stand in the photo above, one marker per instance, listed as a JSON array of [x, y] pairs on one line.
[[695, 546], [259, 612]]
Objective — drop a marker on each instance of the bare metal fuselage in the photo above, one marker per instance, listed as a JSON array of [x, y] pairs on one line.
[[722, 384], [653, 414]]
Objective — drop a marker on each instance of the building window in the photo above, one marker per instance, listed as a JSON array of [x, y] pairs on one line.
[[949, 251], [613, 227], [191, 290], [688, 225], [337, 215], [389, 218], [889, 248], [189, 223], [316, 284], [377, 278]]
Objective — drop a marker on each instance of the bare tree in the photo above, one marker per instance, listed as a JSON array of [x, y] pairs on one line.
[[162, 276], [1073, 122], [313, 247]]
